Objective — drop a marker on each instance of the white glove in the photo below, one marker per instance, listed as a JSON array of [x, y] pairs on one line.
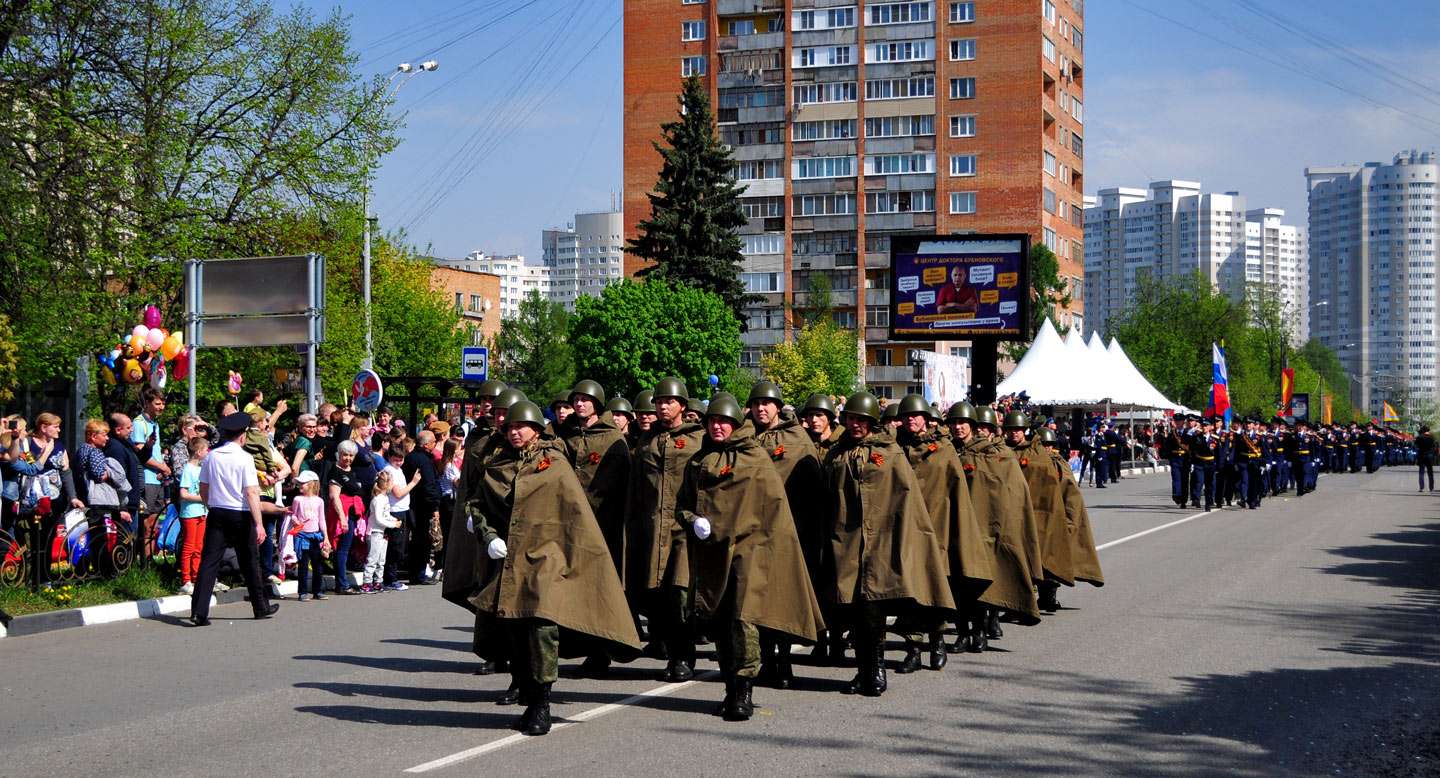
[[497, 549], [470, 524], [701, 527]]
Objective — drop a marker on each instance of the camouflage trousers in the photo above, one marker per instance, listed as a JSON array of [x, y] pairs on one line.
[[736, 642], [534, 649]]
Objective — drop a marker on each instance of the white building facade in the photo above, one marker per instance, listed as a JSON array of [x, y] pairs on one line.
[[1174, 229], [585, 256], [517, 278], [1373, 286]]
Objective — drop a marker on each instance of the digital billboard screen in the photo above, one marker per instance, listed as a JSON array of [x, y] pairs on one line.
[[959, 287]]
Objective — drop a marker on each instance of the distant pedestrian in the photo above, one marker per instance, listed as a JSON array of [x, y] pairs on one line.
[[346, 501], [381, 523], [231, 490], [192, 513], [310, 537], [1425, 456]]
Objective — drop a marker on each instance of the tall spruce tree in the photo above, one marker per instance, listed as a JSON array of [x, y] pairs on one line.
[[695, 208]]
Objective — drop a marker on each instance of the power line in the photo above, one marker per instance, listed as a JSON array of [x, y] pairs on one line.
[[408, 38]]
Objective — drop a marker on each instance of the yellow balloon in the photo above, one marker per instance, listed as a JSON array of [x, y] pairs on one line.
[[136, 346], [171, 347], [107, 374], [134, 374]]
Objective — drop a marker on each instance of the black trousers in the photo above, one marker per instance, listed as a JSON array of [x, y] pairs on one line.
[[225, 527]]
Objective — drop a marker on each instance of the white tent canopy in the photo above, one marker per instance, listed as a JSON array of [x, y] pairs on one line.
[[1066, 371]]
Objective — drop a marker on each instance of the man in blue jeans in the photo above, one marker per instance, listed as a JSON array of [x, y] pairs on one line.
[[145, 438]]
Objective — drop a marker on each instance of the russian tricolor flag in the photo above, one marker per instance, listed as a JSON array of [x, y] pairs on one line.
[[1220, 391]]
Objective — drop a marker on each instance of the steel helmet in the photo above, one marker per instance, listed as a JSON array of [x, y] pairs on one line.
[[985, 416], [724, 405], [862, 404], [491, 388], [644, 402], [819, 402], [961, 411], [560, 397], [765, 390], [892, 411], [695, 404], [508, 397], [1016, 420], [914, 403], [670, 387], [590, 389], [621, 406], [526, 412], [1047, 436]]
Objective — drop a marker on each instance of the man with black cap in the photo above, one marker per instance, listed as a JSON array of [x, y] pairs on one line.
[[230, 488], [1202, 465], [1301, 453], [1173, 451], [1250, 464]]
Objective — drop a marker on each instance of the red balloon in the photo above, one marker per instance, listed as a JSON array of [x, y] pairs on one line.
[[182, 365]]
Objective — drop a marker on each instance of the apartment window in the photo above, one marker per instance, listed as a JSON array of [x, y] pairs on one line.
[[962, 126], [898, 51], [1077, 111], [1048, 47], [692, 31], [752, 98], [475, 302], [962, 49], [762, 207], [962, 88], [1064, 30], [1077, 145], [822, 56], [804, 20], [878, 316], [844, 319], [962, 13], [960, 351], [824, 205], [750, 357], [692, 2], [740, 27], [962, 202], [749, 61], [899, 126], [692, 66], [1077, 39], [1047, 236], [895, 164], [962, 165], [1049, 163], [459, 298], [830, 92], [755, 169], [898, 88], [823, 130], [899, 13], [1048, 8], [823, 167], [921, 201], [764, 243], [840, 17]]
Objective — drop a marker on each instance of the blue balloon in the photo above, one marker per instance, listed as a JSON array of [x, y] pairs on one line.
[[714, 379]]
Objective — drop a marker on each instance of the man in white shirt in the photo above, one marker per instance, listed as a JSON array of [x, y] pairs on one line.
[[230, 488]]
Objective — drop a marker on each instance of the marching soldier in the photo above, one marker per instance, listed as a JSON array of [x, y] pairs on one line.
[[694, 410], [748, 574], [1302, 458], [657, 566], [1202, 466], [1043, 485], [886, 558], [1250, 458], [560, 409], [780, 434], [1084, 558], [644, 406], [544, 580], [818, 415], [1173, 451], [484, 412], [622, 413], [597, 451]]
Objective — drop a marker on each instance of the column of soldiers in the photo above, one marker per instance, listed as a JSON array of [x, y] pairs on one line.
[[1242, 464], [648, 526]]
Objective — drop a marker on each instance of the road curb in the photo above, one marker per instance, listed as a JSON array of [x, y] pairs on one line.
[[50, 621]]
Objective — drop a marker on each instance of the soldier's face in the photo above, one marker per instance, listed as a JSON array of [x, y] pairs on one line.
[[857, 426], [765, 412], [485, 406], [562, 411], [917, 422], [719, 428], [521, 433], [1015, 437], [671, 410], [962, 430], [622, 422], [646, 420], [584, 405], [817, 422], [500, 415], [894, 423]]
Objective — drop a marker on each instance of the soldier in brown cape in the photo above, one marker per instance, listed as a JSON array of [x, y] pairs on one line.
[[597, 451], [818, 417], [788, 445], [656, 566], [546, 582], [484, 412], [460, 582], [885, 556], [1083, 556], [623, 414], [644, 405], [747, 574], [1043, 476], [962, 543], [1000, 503]]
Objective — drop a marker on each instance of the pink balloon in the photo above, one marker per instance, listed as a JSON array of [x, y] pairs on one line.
[[140, 331], [154, 339], [152, 316]]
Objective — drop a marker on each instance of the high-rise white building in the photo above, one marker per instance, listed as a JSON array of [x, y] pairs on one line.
[[1174, 229], [585, 256], [1373, 286], [517, 278]]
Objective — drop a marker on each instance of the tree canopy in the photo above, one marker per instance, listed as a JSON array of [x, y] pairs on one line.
[[533, 352], [823, 358]]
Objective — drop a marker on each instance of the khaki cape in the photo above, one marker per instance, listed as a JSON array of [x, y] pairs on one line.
[[558, 567], [1043, 474], [1084, 557], [753, 552], [655, 542], [882, 544], [1002, 504], [601, 459], [797, 461], [963, 545], [459, 581]]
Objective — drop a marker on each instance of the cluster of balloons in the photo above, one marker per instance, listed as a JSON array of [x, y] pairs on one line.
[[143, 353]]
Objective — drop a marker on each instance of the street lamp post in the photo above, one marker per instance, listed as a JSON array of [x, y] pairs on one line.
[[409, 71]]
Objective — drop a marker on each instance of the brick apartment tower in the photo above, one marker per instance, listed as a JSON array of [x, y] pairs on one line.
[[853, 121]]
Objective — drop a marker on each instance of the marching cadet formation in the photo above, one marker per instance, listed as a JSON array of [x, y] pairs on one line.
[[755, 527], [1244, 464]]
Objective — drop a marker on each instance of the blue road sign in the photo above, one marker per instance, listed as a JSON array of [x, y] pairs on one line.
[[474, 363]]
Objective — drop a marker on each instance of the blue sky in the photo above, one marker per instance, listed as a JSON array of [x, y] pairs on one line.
[[489, 157]]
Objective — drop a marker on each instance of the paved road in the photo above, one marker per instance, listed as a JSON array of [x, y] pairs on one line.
[[1300, 639]]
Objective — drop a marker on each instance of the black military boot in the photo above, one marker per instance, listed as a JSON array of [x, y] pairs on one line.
[[878, 682], [486, 667], [784, 673], [863, 682], [682, 661], [938, 659], [739, 708], [526, 696], [539, 711], [729, 701], [820, 654], [837, 648], [975, 641], [1048, 603], [596, 666], [511, 695], [992, 625], [911, 662]]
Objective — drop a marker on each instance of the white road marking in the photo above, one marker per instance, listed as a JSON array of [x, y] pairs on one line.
[[593, 713], [1174, 523]]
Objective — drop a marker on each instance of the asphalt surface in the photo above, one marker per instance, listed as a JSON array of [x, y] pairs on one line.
[[1300, 639]]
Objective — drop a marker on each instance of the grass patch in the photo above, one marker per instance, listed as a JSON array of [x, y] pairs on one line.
[[137, 583]]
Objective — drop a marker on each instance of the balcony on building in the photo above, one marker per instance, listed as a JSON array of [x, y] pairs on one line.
[[889, 374], [748, 7]]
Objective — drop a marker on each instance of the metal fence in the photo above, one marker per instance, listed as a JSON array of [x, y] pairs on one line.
[[40, 552]]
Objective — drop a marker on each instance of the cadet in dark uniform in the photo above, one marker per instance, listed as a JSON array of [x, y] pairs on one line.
[[1202, 464], [1250, 464], [1172, 450]]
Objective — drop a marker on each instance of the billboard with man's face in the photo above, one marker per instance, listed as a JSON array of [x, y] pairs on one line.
[[959, 287]]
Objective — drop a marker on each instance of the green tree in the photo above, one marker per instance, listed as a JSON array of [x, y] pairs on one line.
[[695, 208], [636, 333], [823, 357], [1048, 293], [533, 352], [9, 361], [1168, 331], [133, 135], [1336, 381]]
